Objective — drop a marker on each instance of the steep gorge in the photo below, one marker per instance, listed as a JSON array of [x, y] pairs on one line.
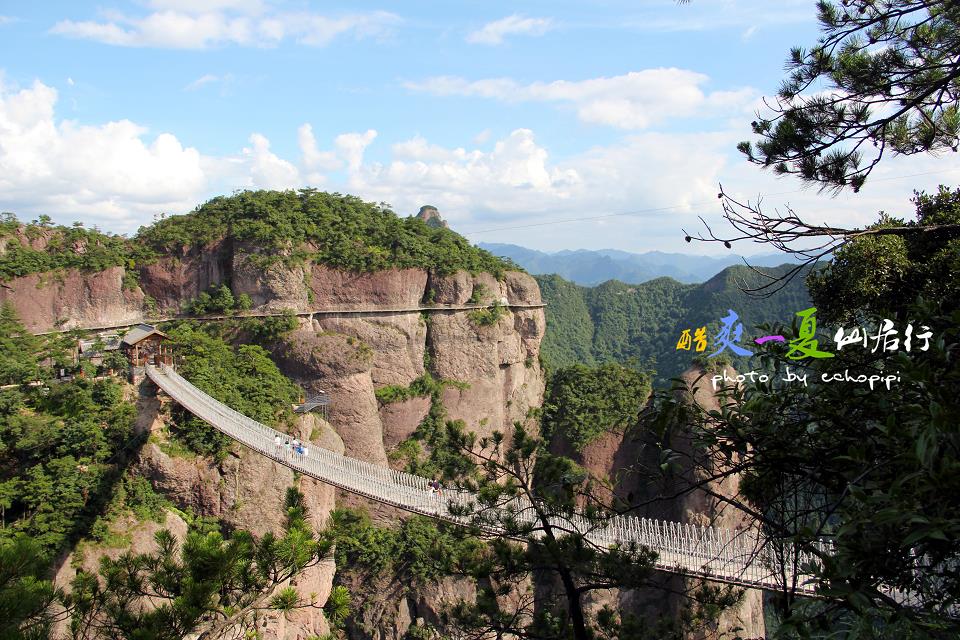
[[358, 332]]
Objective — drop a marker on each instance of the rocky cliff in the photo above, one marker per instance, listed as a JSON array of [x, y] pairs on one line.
[[357, 333], [626, 465], [387, 339]]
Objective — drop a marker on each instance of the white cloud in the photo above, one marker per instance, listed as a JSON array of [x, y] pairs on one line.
[[252, 7], [635, 100], [106, 170], [266, 169], [312, 158], [205, 79], [7, 20], [749, 33], [119, 175], [494, 32], [214, 23]]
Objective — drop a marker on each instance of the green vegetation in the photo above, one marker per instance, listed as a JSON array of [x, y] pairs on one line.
[[416, 553], [269, 329], [886, 79], [487, 317], [213, 585], [218, 299], [886, 273], [65, 248], [336, 230], [617, 322], [19, 350], [60, 446], [581, 403], [425, 385], [478, 294], [341, 231], [242, 377], [26, 593]]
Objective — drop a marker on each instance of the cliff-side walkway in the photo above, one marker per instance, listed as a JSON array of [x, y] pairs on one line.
[[351, 311]]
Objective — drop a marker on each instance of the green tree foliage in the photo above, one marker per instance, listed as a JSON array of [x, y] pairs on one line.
[[59, 451], [19, 349], [876, 471], [488, 316], [543, 547], [883, 78], [211, 585], [332, 229], [341, 231], [244, 378], [218, 299], [26, 593], [416, 553], [617, 322], [63, 248], [885, 273], [581, 403], [570, 327]]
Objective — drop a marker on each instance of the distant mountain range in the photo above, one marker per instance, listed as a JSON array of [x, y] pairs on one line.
[[642, 322], [589, 268]]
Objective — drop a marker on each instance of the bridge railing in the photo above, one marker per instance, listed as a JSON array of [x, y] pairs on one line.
[[728, 555]]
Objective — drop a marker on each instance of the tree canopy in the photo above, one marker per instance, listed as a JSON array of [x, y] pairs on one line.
[[883, 78]]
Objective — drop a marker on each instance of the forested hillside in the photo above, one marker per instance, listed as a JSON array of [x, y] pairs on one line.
[[337, 230], [617, 322]]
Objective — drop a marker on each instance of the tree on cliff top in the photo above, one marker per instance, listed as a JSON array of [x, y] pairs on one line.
[[337, 230]]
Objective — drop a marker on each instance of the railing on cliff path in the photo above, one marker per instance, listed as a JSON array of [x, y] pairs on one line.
[[723, 555]]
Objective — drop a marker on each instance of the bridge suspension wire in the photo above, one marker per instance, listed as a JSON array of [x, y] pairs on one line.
[[719, 554]]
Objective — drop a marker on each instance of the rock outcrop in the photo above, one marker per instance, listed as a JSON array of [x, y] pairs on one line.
[[72, 299]]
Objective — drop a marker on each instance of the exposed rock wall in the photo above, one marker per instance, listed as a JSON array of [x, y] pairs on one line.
[[247, 491], [70, 299], [625, 465]]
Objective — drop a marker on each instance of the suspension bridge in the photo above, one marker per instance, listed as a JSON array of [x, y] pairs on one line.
[[722, 555]]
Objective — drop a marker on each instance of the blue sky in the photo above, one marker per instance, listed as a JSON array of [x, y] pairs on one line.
[[503, 115]]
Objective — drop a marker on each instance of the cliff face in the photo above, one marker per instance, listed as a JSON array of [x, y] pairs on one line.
[[70, 299], [619, 461], [348, 355], [387, 340]]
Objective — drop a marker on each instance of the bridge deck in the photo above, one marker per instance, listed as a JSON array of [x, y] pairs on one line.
[[720, 554]]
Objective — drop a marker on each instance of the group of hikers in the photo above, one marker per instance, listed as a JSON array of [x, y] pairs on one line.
[[296, 447], [290, 446]]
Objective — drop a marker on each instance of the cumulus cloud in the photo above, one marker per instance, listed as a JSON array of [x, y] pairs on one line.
[[634, 100], [119, 174], [116, 172], [110, 170], [266, 169], [178, 24], [494, 32]]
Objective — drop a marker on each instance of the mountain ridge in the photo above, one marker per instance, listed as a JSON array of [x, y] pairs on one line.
[[590, 267]]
